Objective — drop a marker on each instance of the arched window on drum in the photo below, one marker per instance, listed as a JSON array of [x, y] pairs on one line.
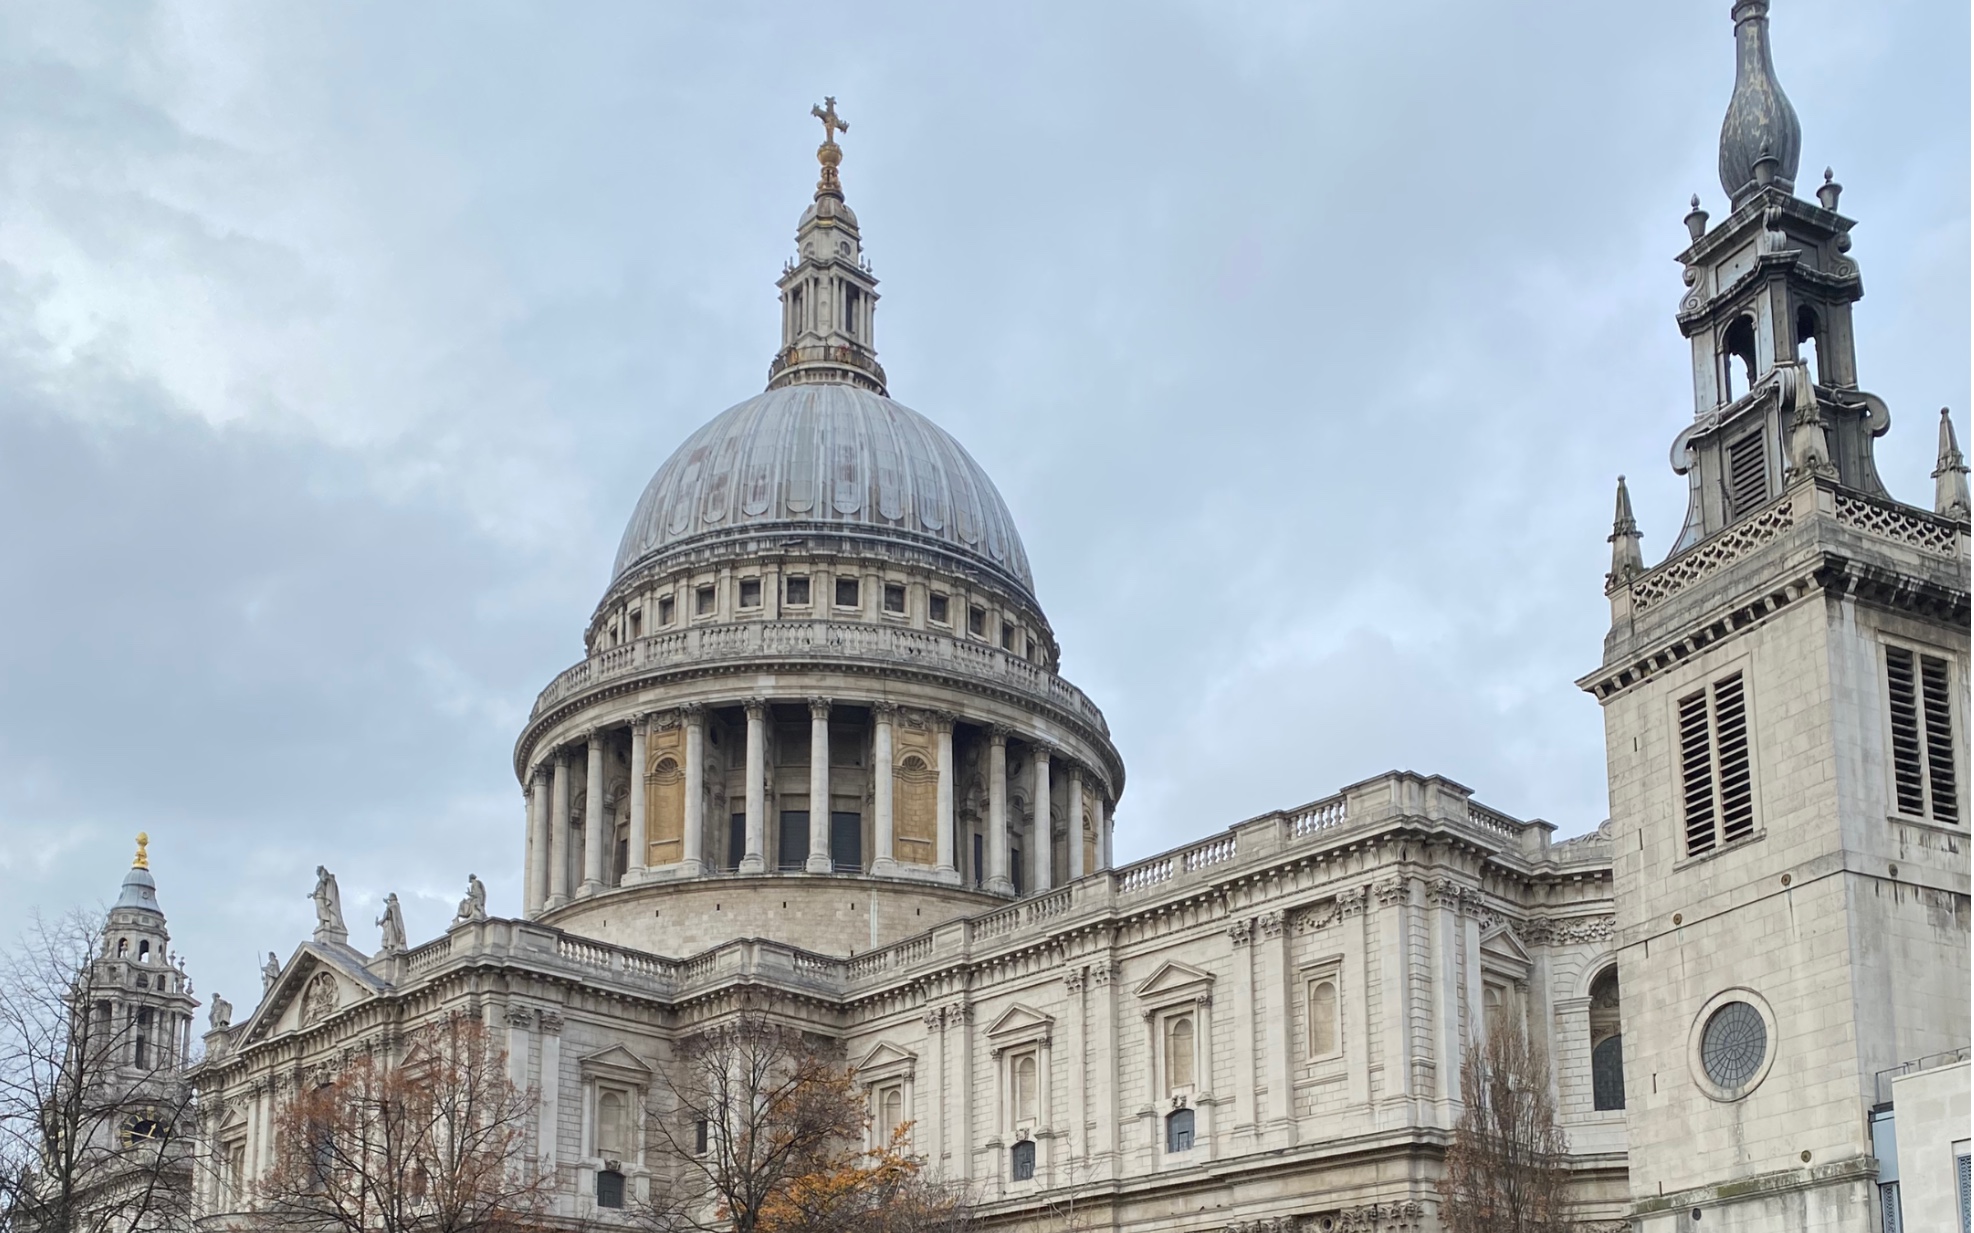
[[1606, 1043]]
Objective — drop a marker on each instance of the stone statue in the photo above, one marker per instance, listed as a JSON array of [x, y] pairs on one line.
[[474, 906], [392, 923], [221, 1015], [269, 973], [328, 904]]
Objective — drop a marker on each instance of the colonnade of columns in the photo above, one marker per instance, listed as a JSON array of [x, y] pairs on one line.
[[550, 806]]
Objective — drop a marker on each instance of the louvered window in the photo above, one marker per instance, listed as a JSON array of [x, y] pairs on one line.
[[1716, 773], [1918, 689], [1747, 474]]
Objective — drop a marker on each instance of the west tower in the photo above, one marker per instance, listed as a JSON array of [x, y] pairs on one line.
[[1785, 715]]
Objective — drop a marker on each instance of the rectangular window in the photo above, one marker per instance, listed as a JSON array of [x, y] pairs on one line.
[[1747, 474], [846, 842], [976, 621], [894, 597], [979, 862], [702, 600], [637, 622], [1007, 634], [736, 840], [750, 592], [1179, 1052], [1918, 690], [699, 1137], [794, 847], [936, 610], [1716, 772], [665, 610], [846, 592], [798, 590], [609, 1188]]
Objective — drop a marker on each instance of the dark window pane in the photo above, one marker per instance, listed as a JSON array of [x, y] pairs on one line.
[[1179, 1131], [1022, 1160], [846, 842], [736, 840], [894, 597], [1607, 1074], [798, 589], [794, 848], [750, 592], [846, 592], [938, 609], [609, 1188]]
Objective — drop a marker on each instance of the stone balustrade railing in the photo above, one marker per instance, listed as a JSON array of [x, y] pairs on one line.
[[822, 641], [1271, 836]]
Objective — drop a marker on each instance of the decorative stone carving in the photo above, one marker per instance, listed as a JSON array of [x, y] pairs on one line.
[[1238, 931], [1392, 890], [269, 973], [1073, 979], [328, 907], [520, 1017], [319, 998], [1570, 931], [1105, 973], [550, 1021], [220, 1017], [1270, 923], [391, 925], [474, 906], [1352, 902]]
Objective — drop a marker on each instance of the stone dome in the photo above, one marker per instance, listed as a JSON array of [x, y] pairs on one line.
[[825, 457]]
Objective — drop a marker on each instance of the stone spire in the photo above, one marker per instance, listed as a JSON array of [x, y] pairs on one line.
[[1760, 140], [828, 293], [1627, 555], [1950, 476]]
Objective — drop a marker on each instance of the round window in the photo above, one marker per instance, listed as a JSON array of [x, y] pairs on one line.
[[1733, 1045]]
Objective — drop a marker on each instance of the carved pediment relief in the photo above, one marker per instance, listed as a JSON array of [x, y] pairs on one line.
[[1174, 982], [310, 989]]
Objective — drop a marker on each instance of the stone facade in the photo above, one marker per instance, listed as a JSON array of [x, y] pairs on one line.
[[818, 761]]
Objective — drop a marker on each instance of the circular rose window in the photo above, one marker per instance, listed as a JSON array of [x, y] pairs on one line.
[[1733, 1045]]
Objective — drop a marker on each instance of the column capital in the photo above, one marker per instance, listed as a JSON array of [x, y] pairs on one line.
[[887, 711], [693, 712], [636, 718], [1042, 751], [589, 736], [999, 734], [756, 708], [819, 709], [942, 721]]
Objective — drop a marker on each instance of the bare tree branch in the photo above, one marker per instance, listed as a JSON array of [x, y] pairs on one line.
[[1506, 1171]]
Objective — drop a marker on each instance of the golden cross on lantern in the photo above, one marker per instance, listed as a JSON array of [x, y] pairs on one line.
[[831, 124], [143, 860]]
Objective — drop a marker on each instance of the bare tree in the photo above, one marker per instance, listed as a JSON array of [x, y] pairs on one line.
[[434, 1142], [883, 1190], [1506, 1170], [90, 1116], [759, 1124]]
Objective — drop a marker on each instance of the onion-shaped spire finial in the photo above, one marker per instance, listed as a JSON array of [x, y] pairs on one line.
[[1760, 126]]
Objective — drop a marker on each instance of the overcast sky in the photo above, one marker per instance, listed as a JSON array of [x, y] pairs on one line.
[[1304, 340]]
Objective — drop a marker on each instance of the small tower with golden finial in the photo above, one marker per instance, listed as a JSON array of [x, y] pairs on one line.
[[828, 293]]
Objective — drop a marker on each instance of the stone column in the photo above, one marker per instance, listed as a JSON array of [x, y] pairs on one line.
[[558, 834], [1353, 994], [997, 813], [1394, 939], [593, 817], [1104, 823], [942, 727], [691, 862], [1271, 945], [1042, 859], [818, 786], [940, 1090], [1103, 1078], [1077, 1139], [1239, 934], [640, 837], [1076, 869], [755, 861], [882, 783], [538, 839], [1443, 897]]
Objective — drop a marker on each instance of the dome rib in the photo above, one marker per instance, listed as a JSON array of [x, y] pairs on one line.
[[825, 455]]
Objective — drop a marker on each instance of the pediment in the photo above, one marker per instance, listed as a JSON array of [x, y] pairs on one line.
[[616, 1062], [1174, 978], [1503, 950], [1020, 1020], [315, 984], [885, 1054]]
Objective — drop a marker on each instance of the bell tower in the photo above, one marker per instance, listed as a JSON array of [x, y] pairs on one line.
[[1785, 708]]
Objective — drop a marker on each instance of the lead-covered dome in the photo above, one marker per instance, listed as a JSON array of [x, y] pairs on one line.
[[825, 456]]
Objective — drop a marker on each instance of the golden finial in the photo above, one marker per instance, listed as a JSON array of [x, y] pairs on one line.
[[829, 154], [143, 860]]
